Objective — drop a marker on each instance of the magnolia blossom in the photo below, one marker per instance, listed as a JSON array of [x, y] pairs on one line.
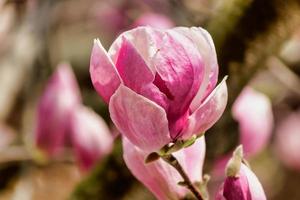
[[240, 183], [55, 108], [63, 121], [91, 137], [253, 111], [287, 141], [154, 20], [161, 178], [160, 84]]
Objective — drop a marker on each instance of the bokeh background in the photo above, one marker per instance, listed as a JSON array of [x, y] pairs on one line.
[[257, 43]]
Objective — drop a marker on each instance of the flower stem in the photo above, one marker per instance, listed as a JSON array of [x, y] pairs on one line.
[[171, 160]]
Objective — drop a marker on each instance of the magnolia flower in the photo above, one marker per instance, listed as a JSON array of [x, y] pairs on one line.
[[240, 183], [161, 178], [160, 84], [253, 111], [63, 121], [287, 141], [91, 137], [55, 108], [154, 20]]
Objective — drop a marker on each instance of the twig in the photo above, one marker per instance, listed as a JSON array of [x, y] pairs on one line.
[[170, 159]]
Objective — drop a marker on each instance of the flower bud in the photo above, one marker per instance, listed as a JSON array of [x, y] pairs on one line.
[[55, 108], [160, 84], [240, 183]]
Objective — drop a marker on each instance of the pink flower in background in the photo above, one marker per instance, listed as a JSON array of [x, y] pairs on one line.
[[55, 108], [63, 121], [253, 111], [161, 178], [240, 183], [160, 84], [91, 137], [287, 141], [154, 20]]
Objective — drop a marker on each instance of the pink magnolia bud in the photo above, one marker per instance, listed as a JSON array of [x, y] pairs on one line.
[[161, 178], [59, 100], [287, 141], [154, 20], [91, 137], [253, 111], [160, 84], [240, 183]]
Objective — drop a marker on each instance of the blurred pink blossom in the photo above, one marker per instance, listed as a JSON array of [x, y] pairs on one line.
[[154, 20], [91, 137], [60, 99], [63, 121], [287, 141], [253, 111], [160, 84], [161, 178]]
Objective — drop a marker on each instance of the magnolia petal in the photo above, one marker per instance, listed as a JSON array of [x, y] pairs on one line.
[[56, 105], [103, 73], [144, 39], [159, 177], [192, 159], [206, 47], [136, 75], [255, 187], [142, 121], [237, 188], [253, 111], [179, 68], [209, 112], [91, 137]]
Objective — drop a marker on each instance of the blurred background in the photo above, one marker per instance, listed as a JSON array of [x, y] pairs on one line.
[[258, 47]]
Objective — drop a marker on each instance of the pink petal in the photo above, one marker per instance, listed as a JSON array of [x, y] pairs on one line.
[[144, 39], [253, 111], [208, 113], [192, 159], [142, 121], [136, 75], [90, 136], [180, 69], [103, 73], [61, 96], [237, 188], [255, 187], [159, 177], [205, 46]]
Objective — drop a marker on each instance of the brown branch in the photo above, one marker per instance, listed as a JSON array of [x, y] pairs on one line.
[[171, 160]]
